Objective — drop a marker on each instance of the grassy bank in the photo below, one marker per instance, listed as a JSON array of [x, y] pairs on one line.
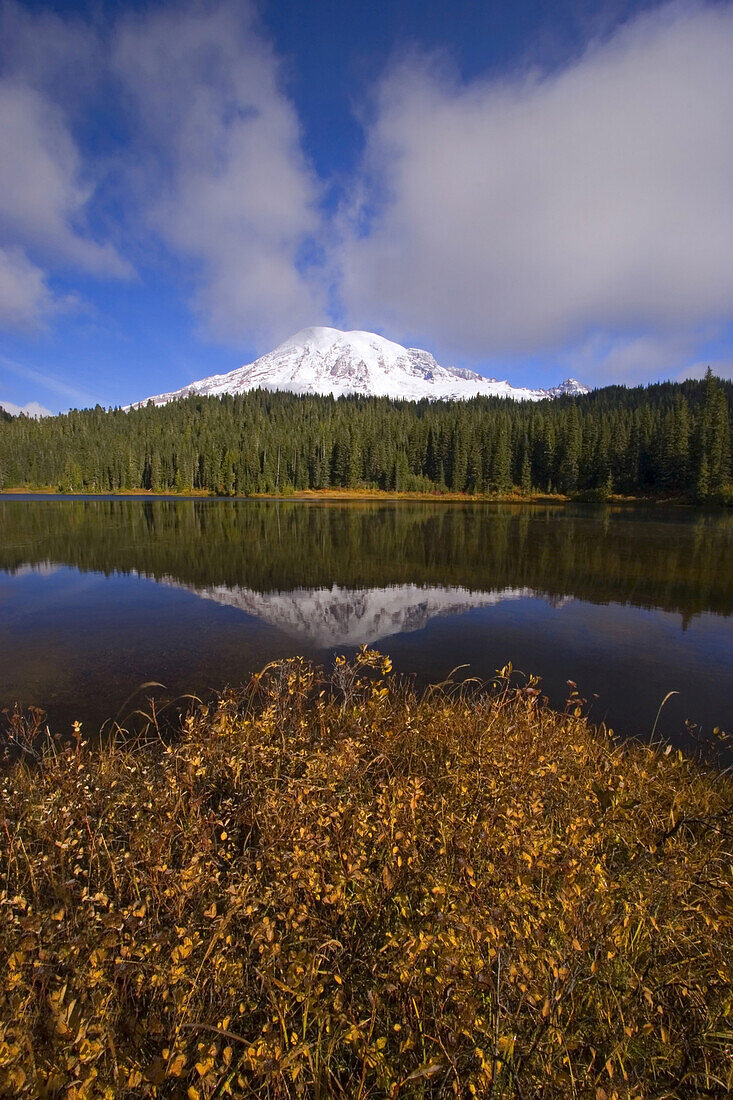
[[310, 494], [339, 889], [344, 495]]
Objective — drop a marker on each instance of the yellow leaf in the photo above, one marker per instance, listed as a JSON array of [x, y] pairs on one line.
[[424, 1071], [176, 1067], [506, 1045]]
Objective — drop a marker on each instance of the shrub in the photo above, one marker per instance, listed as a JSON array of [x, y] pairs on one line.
[[336, 888]]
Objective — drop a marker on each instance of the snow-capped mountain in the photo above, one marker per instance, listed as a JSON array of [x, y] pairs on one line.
[[569, 387], [328, 617], [326, 360]]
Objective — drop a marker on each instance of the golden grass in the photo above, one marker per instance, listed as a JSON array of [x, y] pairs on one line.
[[443, 496], [338, 889]]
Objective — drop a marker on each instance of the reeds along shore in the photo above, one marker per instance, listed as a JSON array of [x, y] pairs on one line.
[[333, 888]]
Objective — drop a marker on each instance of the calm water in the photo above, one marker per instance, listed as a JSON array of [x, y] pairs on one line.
[[99, 596]]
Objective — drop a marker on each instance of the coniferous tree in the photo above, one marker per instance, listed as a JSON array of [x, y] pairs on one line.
[[526, 474], [571, 449], [501, 462]]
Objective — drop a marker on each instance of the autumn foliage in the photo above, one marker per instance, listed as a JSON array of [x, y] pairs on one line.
[[329, 887]]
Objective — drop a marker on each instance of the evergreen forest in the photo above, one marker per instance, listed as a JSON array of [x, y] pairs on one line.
[[666, 439]]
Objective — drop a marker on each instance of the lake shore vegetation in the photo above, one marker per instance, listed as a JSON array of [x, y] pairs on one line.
[[329, 886], [669, 439], [339, 495]]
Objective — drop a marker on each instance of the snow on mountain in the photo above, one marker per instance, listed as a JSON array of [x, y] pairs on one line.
[[328, 617], [571, 387], [328, 361]]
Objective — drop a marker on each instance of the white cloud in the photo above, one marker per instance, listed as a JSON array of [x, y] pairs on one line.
[[523, 216], [25, 299], [643, 358], [46, 186], [632, 361], [43, 193], [721, 368], [56, 54], [32, 409], [211, 161], [225, 182]]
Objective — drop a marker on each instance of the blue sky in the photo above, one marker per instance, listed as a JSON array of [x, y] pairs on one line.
[[532, 190]]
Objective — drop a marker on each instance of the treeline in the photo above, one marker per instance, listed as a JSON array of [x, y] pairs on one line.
[[666, 438]]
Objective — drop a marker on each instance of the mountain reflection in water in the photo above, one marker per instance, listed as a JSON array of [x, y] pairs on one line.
[[332, 617], [99, 595]]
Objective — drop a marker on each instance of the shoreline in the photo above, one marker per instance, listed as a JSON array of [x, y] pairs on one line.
[[357, 496]]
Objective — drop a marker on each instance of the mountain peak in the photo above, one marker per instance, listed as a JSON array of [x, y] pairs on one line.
[[322, 360], [317, 336], [355, 342], [569, 387]]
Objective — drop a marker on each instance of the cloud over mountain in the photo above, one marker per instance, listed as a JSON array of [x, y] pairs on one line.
[[525, 213], [225, 182], [208, 156]]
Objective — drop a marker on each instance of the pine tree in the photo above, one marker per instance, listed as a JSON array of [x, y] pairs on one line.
[[719, 446], [526, 475], [713, 440], [570, 462], [501, 479], [459, 464]]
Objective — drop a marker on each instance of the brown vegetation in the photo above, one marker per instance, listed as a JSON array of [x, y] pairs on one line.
[[336, 889]]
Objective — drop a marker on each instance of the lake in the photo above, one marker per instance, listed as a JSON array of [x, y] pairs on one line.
[[98, 596]]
